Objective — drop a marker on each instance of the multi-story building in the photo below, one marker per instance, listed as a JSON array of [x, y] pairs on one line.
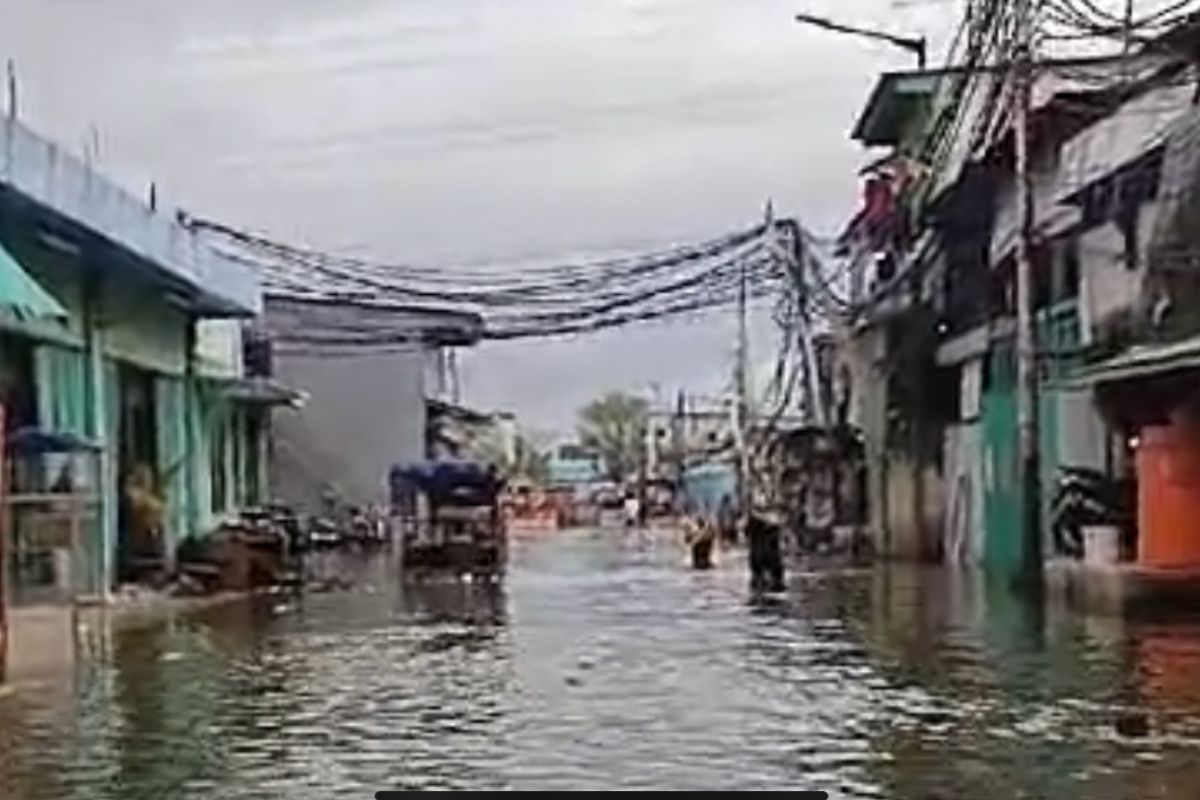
[[930, 353]]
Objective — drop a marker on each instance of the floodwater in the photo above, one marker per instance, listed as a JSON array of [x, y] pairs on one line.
[[605, 663]]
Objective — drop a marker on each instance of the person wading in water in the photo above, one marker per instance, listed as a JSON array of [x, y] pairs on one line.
[[766, 554], [700, 536]]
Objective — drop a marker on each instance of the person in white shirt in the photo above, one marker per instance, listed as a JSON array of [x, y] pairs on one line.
[[633, 511]]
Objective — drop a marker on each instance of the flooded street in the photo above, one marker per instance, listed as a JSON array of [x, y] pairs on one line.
[[604, 663]]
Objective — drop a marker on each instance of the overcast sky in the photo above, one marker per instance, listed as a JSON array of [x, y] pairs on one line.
[[463, 131]]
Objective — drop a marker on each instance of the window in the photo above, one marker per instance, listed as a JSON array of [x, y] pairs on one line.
[[1068, 273], [237, 443]]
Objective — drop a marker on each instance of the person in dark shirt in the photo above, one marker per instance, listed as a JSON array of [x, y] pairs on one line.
[[766, 554]]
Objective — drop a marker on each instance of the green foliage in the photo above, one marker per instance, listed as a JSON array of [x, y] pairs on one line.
[[615, 425]]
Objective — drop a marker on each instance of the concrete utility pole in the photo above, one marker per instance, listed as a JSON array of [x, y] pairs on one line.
[[1027, 359], [741, 408], [12, 89]]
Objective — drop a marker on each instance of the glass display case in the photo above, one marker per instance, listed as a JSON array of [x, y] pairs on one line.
[[52, 551]]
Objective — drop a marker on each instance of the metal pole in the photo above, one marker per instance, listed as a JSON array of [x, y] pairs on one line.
[[1027, 366], [915, 45], [1128, 39]]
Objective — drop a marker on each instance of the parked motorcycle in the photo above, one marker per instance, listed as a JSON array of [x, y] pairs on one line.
[[1085, 497], [366, 528], [286, 519], [324, 533]]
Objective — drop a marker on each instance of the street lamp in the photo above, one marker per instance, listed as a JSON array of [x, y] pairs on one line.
[[917, 45]]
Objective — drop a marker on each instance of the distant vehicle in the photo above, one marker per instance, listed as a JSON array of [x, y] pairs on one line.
[[366, 528], [609, 502], [324, 533], [449, 518], [1084, 497]]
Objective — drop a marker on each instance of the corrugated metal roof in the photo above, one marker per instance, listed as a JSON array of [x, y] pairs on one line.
[[45, 174], [1143, 361]]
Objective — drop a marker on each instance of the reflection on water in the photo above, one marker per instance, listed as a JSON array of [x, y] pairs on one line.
[[604, 663]]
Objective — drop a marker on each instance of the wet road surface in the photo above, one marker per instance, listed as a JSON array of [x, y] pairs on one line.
[[604, 663]]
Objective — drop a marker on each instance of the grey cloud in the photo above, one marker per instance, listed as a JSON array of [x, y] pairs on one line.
[[468, 131]]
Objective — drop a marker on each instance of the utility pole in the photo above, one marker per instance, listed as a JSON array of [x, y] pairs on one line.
[[1027, 357], [1128, 43], [454, 375], [796, 257], [742, 405], [12, 89]]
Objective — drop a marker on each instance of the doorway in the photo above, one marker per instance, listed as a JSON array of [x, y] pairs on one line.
[[141, 511], [26, 568], [17, 391]]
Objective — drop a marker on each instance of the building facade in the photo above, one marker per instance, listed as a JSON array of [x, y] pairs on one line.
[[929, 349], [363, 366], [138, 362]]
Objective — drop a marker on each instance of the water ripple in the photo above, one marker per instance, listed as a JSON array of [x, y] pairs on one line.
[[604, 664]]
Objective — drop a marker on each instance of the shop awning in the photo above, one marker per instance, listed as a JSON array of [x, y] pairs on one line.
[[21, 294], [1143, 361], [264, 392]]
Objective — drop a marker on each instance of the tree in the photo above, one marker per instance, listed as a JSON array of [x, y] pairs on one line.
[[532, 463], [614, 425], [525, 461]]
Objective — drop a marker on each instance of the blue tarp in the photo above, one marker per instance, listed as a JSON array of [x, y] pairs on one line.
[[705, 485], [444, 476]]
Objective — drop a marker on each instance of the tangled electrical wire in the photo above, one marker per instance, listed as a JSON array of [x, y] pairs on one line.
[[1069, 20], [522, 302]]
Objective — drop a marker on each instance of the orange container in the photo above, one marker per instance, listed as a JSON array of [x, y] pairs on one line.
[[1168, 468]]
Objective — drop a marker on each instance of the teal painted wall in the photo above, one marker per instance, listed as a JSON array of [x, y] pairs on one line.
[[1058, 336], [1001, 499], [112, 414], [62, 391], [1058, 340], [172, 452], [220, 466], [141, 329], [77, 388], [61, 276]]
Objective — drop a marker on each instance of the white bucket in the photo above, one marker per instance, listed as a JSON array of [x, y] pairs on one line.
[[1101, 544]]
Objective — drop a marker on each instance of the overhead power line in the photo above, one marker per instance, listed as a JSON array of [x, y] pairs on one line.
[[516, 302]]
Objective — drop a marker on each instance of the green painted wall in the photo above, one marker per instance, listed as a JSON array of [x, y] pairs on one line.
[[172, 452], [128, 320], [1001, 500], [61, 377], [227, 469], [109, 411], [78, 391], [1058, 336], [1058, 340], [141, 329]]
